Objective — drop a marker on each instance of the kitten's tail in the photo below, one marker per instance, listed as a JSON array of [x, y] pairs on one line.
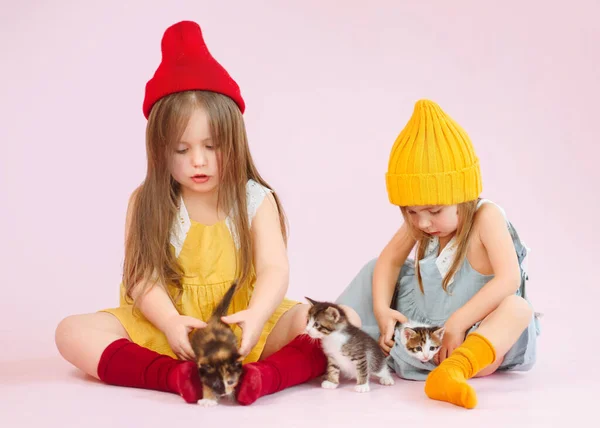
[[223, 306]]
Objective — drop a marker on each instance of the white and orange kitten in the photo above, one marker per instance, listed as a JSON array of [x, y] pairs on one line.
[[422, 341]]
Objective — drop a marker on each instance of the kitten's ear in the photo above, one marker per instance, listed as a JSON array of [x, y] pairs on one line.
[[439, 333], [409, 333], [333, 313], [311, 301]]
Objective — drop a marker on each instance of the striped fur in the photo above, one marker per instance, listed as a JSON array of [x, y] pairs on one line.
[[350, 351]]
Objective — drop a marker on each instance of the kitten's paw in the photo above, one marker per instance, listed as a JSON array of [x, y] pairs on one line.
[[362, 388], [388, 380], [328, 385], [207, 402]]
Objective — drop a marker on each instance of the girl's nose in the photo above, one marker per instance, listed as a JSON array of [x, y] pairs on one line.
[[424, 223], [199, 158]]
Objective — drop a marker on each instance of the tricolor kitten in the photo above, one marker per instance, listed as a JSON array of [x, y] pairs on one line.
[[349, 349], [217, 357], [422, 341]]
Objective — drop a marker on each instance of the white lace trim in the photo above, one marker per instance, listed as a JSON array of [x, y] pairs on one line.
[[445, 259], [255, 194], [181, 226]]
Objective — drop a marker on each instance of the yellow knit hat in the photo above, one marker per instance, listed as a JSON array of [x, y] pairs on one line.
[[432, 161]]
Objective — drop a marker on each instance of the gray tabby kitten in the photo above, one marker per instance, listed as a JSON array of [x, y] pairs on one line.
[[350, 351]]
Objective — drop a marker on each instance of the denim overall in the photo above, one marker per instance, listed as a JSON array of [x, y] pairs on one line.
[[435, 306]]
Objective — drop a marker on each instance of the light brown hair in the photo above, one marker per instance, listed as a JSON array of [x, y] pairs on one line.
[[466, 215], [149, 258]]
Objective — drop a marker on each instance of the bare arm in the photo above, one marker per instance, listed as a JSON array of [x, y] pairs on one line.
[[270, 261], [385, 276], [272, 275], [387, 268], [496, 239], [156, 305]]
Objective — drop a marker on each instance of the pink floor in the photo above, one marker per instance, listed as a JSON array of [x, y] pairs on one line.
[[47, 392]]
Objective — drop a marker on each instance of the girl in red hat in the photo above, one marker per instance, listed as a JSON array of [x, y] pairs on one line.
[[202, 218]]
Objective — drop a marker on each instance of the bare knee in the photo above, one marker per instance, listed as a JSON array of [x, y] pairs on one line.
[[73, 332], [517, 307], [65, 331], [299, 319], [352, 316]]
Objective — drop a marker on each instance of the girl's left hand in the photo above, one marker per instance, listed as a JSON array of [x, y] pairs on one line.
[[251, 325], [453, 338]]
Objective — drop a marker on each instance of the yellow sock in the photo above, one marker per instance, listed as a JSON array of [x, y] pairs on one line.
[[448, 381]]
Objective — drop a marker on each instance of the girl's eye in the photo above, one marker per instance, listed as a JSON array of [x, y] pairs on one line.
[[210, 147], [436, 212], [181, 151]]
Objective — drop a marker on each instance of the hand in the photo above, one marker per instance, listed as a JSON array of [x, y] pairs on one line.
[[454, 336], [177, 329], [387, 324], [251, 325]]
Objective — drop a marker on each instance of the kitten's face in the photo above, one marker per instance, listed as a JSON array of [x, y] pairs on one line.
[[221, 375], [323, 319], [422, 342], [217, 357]]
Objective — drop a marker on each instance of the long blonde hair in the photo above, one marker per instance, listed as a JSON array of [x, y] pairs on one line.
[[149, 258], [466, 215]]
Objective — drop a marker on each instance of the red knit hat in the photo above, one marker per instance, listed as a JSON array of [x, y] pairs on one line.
[[187, 65]]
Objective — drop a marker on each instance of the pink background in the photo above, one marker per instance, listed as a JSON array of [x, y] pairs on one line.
[[328, 87]]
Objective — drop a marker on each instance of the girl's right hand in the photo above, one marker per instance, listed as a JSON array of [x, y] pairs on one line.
[[387, 320], [177, 329]]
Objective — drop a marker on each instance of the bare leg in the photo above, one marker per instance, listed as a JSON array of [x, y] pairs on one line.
[[289, 358], [490, 369], [292, 324], [504, 326], [99, 340], [81, 339], [482, 352]]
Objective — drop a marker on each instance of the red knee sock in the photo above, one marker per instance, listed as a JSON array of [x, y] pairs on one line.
[[299, 361], [124, 363]]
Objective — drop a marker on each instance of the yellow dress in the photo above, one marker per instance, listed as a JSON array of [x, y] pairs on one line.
[[207, 257]]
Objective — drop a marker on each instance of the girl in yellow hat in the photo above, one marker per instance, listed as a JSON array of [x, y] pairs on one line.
[[469, 277]]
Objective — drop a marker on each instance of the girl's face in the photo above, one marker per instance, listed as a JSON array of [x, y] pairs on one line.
[[434, 220], [195, 161]]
